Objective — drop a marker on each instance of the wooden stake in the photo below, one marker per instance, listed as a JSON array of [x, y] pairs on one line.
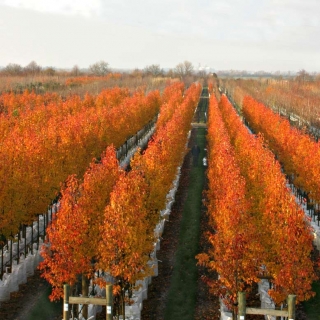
[[66, 292], [291, 307], [241, 305], [109, 302]]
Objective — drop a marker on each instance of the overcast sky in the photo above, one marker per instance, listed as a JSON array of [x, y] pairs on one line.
[[251, 35]]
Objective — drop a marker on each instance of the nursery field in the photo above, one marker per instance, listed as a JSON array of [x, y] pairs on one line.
[[181, 197]]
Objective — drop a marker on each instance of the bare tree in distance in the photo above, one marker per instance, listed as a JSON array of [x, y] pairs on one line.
[[171, 73], [136, 73], [202, 73], [154, 70], [179, 70], [188, 68], [184, 69], [32, 68], [100, 68], [49, 71], [303, 76], [12, 69], [75, 71]]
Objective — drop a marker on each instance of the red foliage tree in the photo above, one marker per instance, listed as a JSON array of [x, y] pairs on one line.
[[74, 235]]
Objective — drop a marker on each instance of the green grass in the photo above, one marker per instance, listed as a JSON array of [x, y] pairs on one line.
[[312, 306], [182, 294], [44, 309]]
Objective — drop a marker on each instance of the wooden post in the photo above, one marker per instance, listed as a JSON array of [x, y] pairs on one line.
[[241, 305], [291, 307], [109, 303], [84, 284], [66, 293]]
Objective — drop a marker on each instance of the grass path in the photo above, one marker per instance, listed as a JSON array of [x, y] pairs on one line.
[[44, 309], [182, 293], [312, 306]]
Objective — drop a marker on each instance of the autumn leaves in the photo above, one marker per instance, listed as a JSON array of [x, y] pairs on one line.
[[298, 153], [259, 228], [228, 214], [74, 234], [44, 138], [107, 220]]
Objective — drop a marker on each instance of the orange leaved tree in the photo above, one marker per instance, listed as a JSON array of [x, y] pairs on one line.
[[126, 240], [285, 235], [74, 237], [234, 252]]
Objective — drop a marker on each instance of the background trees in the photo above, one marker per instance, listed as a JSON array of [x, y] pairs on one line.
[[184, 69], [100, 68], [32, 68], [153, 70], [13, 69], [75, 71]]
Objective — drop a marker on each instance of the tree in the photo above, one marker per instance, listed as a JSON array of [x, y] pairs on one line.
[[80, 216], [153, 70], [126, 241], [303, 76], [136, 73], [32, 68], [75, 71], [179, 70], [100, 68], [188, 68], [13, 69], [202, 73], [184, 69], [50, 71], [171, 73]]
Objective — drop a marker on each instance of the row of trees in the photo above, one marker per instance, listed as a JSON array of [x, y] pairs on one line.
[[110, 214], [14, 69], [100, 68], [298, 153], [288, 97], [44, 139], [259, 229], [232, 229], [182, 69], [301, 76]]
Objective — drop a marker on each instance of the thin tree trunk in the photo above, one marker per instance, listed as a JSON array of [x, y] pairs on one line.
[[84, 294]]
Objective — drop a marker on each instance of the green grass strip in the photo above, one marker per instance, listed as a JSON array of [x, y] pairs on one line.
[[312, 306], [182, 293], [44, 309]]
